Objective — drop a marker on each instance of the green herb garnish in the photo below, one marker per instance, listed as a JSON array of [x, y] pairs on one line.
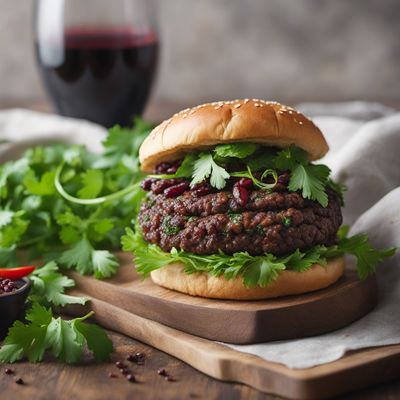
[[64, 339], [255, 270]]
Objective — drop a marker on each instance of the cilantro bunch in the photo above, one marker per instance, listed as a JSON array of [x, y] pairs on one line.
[[66, 204], [306, 177], [69, 207], [255, 270]]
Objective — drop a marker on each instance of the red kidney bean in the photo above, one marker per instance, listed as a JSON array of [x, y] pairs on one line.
[[146, 183], [240, 194], [283, 178], [176, 190], [163, 167], [201, 189], [161, 184], [246, 183], [173, 169]]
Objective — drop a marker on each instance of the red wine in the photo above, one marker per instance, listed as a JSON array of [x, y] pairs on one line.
[[103, 75]]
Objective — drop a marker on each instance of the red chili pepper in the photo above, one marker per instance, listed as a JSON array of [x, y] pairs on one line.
[[16, 273]]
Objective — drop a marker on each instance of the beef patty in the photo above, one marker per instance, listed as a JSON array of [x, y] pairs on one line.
[[276, 223]]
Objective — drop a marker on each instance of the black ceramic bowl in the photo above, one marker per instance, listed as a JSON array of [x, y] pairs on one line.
[[12, 305]]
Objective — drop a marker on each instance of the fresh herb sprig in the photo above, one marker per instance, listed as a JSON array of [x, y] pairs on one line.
[[306, 177], [65, 339], [66, 204], [49, 286], [255, 270], [46, 212]]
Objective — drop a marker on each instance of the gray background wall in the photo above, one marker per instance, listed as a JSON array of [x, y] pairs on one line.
[[283, 49]]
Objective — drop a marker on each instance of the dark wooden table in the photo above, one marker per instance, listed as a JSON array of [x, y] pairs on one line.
[[49, 380], [90, 381]]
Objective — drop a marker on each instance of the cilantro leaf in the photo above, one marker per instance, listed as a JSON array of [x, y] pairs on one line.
[[311, 180], [262, 271], [42, 187], [12, 231], [78, 256], [65, 339], [92, 180], [185, 170], [104, 263], [237, 150], [49, 286], [96, 339], [205, 167], [367, 256], [5, 217], [87, 260]]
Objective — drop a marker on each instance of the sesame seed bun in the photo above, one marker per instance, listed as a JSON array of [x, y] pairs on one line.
[[258, 121], [287, 283]]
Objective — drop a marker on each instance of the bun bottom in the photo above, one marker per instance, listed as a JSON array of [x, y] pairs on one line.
[[287, 283]]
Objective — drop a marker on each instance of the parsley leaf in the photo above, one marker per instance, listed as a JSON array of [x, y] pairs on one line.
[[78, 256], [104, 264], [92, 180], [255, 270], [13, 229], [262, 271], [205, 167], [311, 180], [367, 256], [49, 286], [237, 150], [43, 187], [87, 260], [65, 339]]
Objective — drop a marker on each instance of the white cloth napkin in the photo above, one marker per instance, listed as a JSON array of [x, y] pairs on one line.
[[365, 146], [365, 155]]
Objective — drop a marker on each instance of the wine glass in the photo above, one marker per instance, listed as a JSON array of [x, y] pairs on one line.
[[97, 58]]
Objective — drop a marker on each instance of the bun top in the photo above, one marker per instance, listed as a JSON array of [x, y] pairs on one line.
[[265, 122]]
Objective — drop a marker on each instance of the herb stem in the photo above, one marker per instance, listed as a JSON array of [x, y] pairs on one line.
[[94, 201]]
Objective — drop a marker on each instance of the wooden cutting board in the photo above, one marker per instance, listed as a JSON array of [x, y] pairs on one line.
[[354, 371], [237, 322]]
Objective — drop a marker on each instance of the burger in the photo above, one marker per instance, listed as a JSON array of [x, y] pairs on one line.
[[236, 208]]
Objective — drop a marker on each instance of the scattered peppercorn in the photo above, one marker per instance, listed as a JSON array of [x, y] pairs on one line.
[[120, 365], [9, 371], [112, 375], [131, 378], [140, 357], [19, 381], [162, 372], [124, 371], [169, 378]]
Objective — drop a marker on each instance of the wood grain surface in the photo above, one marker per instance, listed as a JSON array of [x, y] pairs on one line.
[[235, 321], [357, 370], [89, 381]]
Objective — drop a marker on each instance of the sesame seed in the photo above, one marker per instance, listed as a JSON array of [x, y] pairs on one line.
[[290, 112], [237, 105], [300, 123], [246, 101]]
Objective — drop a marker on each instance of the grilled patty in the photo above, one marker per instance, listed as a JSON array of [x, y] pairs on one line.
[[276, 223]]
